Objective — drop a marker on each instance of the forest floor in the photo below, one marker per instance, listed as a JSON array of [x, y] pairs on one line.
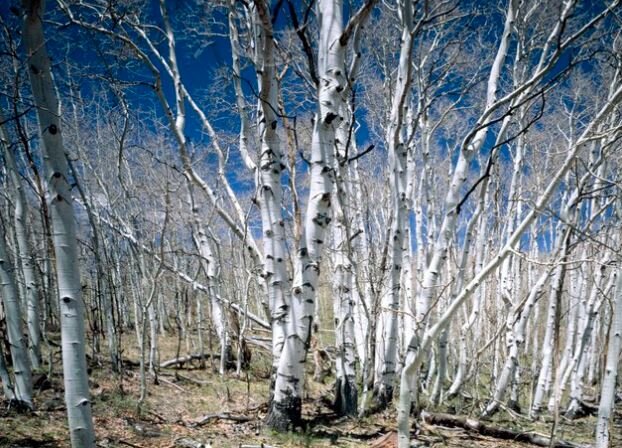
[[195, 403]]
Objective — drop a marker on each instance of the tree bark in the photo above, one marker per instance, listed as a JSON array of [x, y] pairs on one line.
[[19, 351], [64, 227], [608, 388]]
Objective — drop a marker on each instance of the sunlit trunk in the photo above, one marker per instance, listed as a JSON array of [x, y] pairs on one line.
[[64, 231]]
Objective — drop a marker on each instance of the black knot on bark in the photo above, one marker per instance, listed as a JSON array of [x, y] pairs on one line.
[[330, 117], [53, 129], [273, 124]]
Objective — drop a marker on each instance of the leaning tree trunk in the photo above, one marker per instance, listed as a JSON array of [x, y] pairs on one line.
[[545, 377], [211, 270], [576, 370], [25, 254], [417, 350], [64, 231], [19, 352], [515, 339]]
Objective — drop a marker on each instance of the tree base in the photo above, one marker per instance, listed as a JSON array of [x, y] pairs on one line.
[[513, 405], [579, 409], [346, 398], [381, 398], [285, 415], [19, 406]]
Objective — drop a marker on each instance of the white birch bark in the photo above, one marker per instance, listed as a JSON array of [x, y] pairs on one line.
[[345, 375], [19, 349], [417, 349], [387, 335], [431, 275], [345, 283], [515, 339], [363, 292], [64, 231], [25, 255], [545, 377], [575, 291], [210, 268], [271, 166], [580, 361], [608, 387], [285, 407], [7, 385], [287, 400], [477, 218]]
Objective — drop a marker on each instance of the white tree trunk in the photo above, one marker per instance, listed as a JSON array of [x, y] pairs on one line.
[[7, 384], [64, 227], [417, 349], [608, 388], [545, 377], [345, 376], [271, 166], [387, 335], [515, 339], [286, 403], [210, 267], [25, 254], [589, 313], [19, 350]]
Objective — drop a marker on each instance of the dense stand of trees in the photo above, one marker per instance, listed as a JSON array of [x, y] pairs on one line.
[[443, 177]]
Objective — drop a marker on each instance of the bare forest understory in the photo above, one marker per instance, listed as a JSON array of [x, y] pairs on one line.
[[284, 223], [191, 404]]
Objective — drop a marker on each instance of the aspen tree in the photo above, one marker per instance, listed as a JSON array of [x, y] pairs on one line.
[[386, 353], [22, 390], [25, 255], [608, 387], [286, 404], [64, 230]]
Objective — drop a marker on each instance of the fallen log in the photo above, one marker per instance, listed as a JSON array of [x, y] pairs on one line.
[[263, 445], [125, 442], [179, 376], [238, 418], [186, 359], [185, 442], [533, 438]]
